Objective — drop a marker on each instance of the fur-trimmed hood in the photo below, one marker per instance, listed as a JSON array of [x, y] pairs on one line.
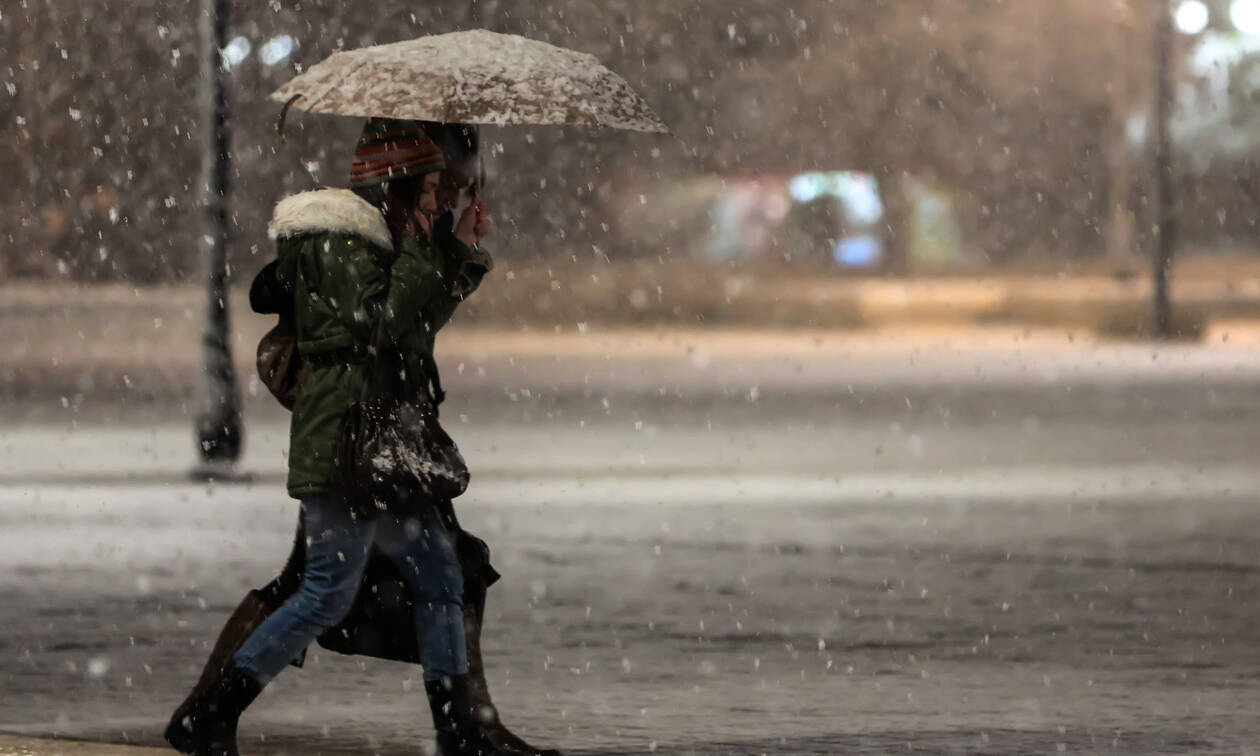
[[323, 210]]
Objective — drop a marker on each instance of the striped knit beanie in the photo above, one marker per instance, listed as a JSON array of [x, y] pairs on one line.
[[390, 149]]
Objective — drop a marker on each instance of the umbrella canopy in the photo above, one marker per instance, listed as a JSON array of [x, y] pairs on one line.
[[471, 77]]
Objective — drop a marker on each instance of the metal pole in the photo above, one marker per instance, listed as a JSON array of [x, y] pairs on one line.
[[219, 433], [1120, 226], [1166, 221]]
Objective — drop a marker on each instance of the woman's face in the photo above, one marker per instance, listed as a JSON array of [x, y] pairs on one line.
[[426, 201]]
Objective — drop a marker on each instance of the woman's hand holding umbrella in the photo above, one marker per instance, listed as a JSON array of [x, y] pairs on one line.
[[474, 222]]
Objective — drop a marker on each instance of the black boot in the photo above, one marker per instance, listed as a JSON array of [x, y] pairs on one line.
[[457, 720], [479, 575], [487, 713], [249, 614], [209, 727]]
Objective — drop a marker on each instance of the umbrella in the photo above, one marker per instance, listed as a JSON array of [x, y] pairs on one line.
[[477, 77]]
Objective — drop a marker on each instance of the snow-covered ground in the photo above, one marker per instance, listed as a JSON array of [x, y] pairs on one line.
[[947, 558], [1101, 621]]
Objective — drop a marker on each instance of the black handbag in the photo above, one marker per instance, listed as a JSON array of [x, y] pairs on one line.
[[393, 454]]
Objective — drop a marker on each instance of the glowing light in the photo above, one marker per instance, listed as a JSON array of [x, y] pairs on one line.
[[1245, 14], [806, 187], [1192, 16], [235, 52], [862, 251], [276, 50]]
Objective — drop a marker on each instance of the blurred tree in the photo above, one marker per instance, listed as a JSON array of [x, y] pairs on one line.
[[97, 136], [1012, 104], [1015, 106]]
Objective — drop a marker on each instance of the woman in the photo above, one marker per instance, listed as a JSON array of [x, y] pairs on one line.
[[381, 622], [353, 260]]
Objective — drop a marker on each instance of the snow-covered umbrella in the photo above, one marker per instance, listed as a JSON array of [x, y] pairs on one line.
[[478, 77]]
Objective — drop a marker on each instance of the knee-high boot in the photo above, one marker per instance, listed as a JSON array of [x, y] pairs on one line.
[[474, 558], [248, 616]]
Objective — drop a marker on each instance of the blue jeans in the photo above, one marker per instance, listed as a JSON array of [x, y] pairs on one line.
[[337, 547]]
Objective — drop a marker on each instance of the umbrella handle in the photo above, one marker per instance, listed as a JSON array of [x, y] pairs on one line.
[[284, 113]]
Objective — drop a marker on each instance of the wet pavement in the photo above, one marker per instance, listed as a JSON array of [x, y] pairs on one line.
[[998, 566], [1110, 622]]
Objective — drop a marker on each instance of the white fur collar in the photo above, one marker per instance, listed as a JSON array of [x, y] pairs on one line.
[[329, 210]]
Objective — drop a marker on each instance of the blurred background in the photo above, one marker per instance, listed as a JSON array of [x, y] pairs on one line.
[[836, 137], [920, 362], [834, 164], [817, 145]]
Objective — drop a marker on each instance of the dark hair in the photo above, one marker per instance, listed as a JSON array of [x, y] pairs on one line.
[[461, 146], [403, 191]]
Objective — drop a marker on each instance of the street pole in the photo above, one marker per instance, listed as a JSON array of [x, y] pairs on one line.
[[1120, 226], [219, 433], [1165, 219]]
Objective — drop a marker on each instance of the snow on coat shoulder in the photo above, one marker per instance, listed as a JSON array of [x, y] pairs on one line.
[[329, 210]]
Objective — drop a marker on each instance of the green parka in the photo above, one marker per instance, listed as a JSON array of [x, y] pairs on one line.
[[336, 255]]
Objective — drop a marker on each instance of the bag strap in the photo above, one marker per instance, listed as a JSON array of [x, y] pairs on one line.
[[381, 343], [377, 361], [432, 377]]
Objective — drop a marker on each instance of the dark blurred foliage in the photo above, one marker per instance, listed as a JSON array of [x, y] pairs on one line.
[[1014, 106]]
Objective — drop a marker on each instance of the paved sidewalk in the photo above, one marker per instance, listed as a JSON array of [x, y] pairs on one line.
[[1063, 619], [711, 544], [13, 745]]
